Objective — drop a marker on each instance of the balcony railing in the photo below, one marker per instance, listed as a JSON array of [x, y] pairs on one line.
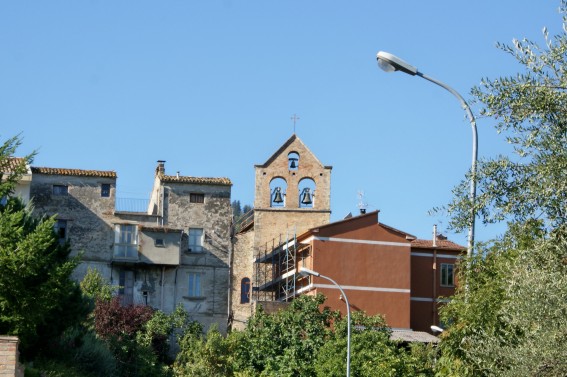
[[132, 205]]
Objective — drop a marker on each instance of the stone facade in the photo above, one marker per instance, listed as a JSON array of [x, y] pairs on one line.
[[174, 252], [9, 354], [289, 171]]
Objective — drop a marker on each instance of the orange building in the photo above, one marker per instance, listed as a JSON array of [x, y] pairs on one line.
[[381, 269]]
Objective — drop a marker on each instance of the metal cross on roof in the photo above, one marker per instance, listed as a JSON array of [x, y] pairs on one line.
[[295, 118]]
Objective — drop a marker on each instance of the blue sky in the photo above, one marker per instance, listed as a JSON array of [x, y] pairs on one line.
[[211, 86]]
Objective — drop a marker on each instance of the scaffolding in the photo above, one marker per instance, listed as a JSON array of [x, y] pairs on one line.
[[275, 268]]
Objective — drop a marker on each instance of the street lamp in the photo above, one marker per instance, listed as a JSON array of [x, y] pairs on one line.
[[306, 272], [391, 63]]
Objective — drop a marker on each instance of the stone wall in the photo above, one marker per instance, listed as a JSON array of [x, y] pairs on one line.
[[9, 365], [242, 267]]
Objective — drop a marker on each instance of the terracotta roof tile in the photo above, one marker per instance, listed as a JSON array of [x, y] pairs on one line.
[[12, 163], [73, 172], [196, 180], [441, 244]]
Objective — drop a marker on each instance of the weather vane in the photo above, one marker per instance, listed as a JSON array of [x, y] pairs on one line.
[[295, 118]]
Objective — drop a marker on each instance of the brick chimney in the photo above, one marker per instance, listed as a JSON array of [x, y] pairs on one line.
[[160, 170]]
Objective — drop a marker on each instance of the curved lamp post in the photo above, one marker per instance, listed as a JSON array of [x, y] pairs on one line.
[[391, 63], [305, 272]]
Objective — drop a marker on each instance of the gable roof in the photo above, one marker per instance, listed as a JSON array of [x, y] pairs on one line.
[[291, 140], [358, 218], [74, 172]]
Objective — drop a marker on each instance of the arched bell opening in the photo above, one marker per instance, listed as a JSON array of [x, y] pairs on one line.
[[278, 189], [293, 161], [306, 189]]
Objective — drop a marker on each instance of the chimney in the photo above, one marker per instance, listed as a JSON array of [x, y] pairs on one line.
[[160, 167]]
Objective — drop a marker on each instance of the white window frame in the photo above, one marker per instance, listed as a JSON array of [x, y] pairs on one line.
[[195, 285], [126, 241], [447, 278], [195, 239]]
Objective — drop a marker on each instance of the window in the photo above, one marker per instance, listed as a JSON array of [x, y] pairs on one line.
[[196, 239], [194, 285], [197, 198], [61, 230], [105, 190], [245, 291], [60, 190], [447, 275], [159, 242], [126, 241]]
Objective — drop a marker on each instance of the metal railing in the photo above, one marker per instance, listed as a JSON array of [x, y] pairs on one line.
[[132, 205]]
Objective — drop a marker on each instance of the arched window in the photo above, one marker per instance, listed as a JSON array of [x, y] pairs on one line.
[[245, 291], [306, 189], [278, 188], [293, 161]]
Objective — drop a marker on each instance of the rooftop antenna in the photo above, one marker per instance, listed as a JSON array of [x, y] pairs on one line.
[[361, 203], [294, 118]]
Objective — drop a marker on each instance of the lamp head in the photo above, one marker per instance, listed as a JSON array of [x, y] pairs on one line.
[[391, 63], [436, 329], [306, 272]]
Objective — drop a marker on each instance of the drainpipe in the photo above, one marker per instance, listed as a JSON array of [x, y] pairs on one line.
[[162, 284], [230, 272], [434, 311]]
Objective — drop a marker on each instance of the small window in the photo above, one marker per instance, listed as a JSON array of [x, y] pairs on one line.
[[194, 285], [105, 190], [61, 230], [245, 291], [159, 242], [447, 275], [60, 190], [197, 198], [196, 239]]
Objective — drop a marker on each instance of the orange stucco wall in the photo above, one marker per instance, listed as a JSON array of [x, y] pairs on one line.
[[426, 286], [368, 261]]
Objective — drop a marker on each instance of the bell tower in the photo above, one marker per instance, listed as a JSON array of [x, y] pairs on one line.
[[292, 195]]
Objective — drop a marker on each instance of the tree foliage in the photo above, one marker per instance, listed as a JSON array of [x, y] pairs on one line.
[[512, 318], [531, 113], [509, 317], [300, 340], [11, 169], [38, 299]]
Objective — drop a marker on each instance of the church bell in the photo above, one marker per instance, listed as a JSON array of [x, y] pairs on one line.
[[293, 163], [278, 195], [306, 196]]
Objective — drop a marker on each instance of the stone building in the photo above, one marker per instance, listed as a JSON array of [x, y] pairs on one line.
[[173, 250], [292, 195]]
